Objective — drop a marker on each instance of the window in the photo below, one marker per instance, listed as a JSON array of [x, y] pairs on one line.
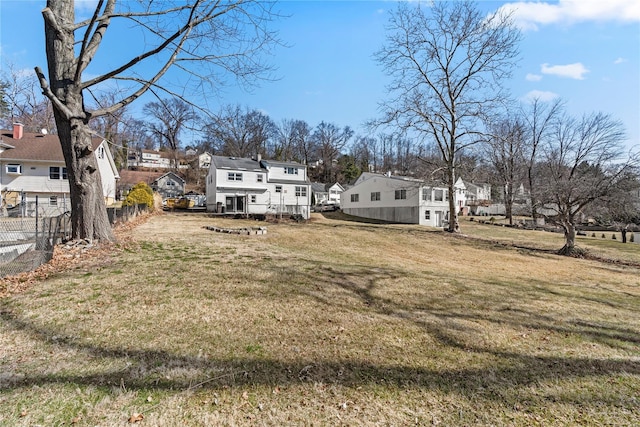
[[301, 191], [278, 188], [426, 194], [100, 152], [56, 172], [260, 177], [53, 201], [437, 195], [234, 176], [253, 198], [14, 168], [355, 198], [401, 194], [291, 171], [427, 215], [375, 196]]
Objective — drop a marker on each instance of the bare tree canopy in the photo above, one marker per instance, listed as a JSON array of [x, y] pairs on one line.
[[22, 102], [166, 120], [582, 163], [505, 152], [539, 119], [329, 141], [207, 40], [239, 132], [447, 62]]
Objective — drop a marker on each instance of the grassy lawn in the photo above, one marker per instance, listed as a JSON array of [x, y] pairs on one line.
[[333, 322]]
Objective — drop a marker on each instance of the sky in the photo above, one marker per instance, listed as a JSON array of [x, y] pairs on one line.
[[586, 52]]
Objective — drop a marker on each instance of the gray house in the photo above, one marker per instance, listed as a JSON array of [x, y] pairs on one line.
[[169, 185]]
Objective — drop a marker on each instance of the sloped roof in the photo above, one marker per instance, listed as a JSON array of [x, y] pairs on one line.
[[129, 177], [35, 146], [222, 162], [318, 187]]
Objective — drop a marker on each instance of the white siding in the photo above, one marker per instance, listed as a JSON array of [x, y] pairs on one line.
[[387, 207]]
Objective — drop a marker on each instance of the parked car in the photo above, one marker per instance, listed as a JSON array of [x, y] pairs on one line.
[[326, 207]]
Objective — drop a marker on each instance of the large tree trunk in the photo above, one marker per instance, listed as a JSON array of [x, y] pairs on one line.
[[89, 217], [88, 209], [569, 247]]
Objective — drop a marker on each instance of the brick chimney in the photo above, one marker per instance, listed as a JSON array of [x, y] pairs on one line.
[[18, 129]]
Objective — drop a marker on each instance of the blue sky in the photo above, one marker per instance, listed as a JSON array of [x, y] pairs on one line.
[[587, 52]]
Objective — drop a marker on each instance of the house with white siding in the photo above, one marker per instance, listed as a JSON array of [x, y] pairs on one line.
[[327, 194], [397, 199], [257, 187], [33, 172]]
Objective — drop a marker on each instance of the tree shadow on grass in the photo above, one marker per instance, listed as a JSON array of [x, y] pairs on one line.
[[147, 369]]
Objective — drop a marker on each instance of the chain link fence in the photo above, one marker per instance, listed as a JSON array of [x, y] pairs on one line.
[[26, 243]]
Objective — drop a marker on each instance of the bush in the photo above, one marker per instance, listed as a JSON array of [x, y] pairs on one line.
[[613, 236], [140, 194]]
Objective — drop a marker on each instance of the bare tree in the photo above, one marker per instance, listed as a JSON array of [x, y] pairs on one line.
[[239, 132], [582, 163], [24, 102], [539, 119], [447, 63], [210, 40], [167, 119], [330, 141], [505, 152], [293, 141]]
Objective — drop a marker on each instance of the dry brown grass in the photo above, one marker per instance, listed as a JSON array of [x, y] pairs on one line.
[[328, 323]]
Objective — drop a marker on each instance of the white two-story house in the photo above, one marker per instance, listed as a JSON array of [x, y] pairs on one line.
[[33, 172], [396, 199], [257, 187]]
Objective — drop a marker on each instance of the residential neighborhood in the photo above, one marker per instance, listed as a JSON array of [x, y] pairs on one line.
[[320, 213]]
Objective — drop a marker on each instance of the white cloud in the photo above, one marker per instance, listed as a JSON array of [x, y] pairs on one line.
[[572, 71], [544, 96], [529, 15], [620, 61], [533, 77]]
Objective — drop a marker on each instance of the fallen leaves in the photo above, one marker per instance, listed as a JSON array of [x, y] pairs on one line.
[[69, 255], [135, 418]]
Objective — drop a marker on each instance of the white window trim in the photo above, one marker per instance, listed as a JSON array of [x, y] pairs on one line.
[[16, 166]]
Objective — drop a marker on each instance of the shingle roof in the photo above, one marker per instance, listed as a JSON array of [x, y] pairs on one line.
[[235, 163], [129, 177], [35, 146]]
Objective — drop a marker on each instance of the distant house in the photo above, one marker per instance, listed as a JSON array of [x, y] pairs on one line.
[[32, 168], [478, 197], [327, 193], [167, 184], [129, 178], [397, 199], [204, 160], [257, 187], [149, 159]]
